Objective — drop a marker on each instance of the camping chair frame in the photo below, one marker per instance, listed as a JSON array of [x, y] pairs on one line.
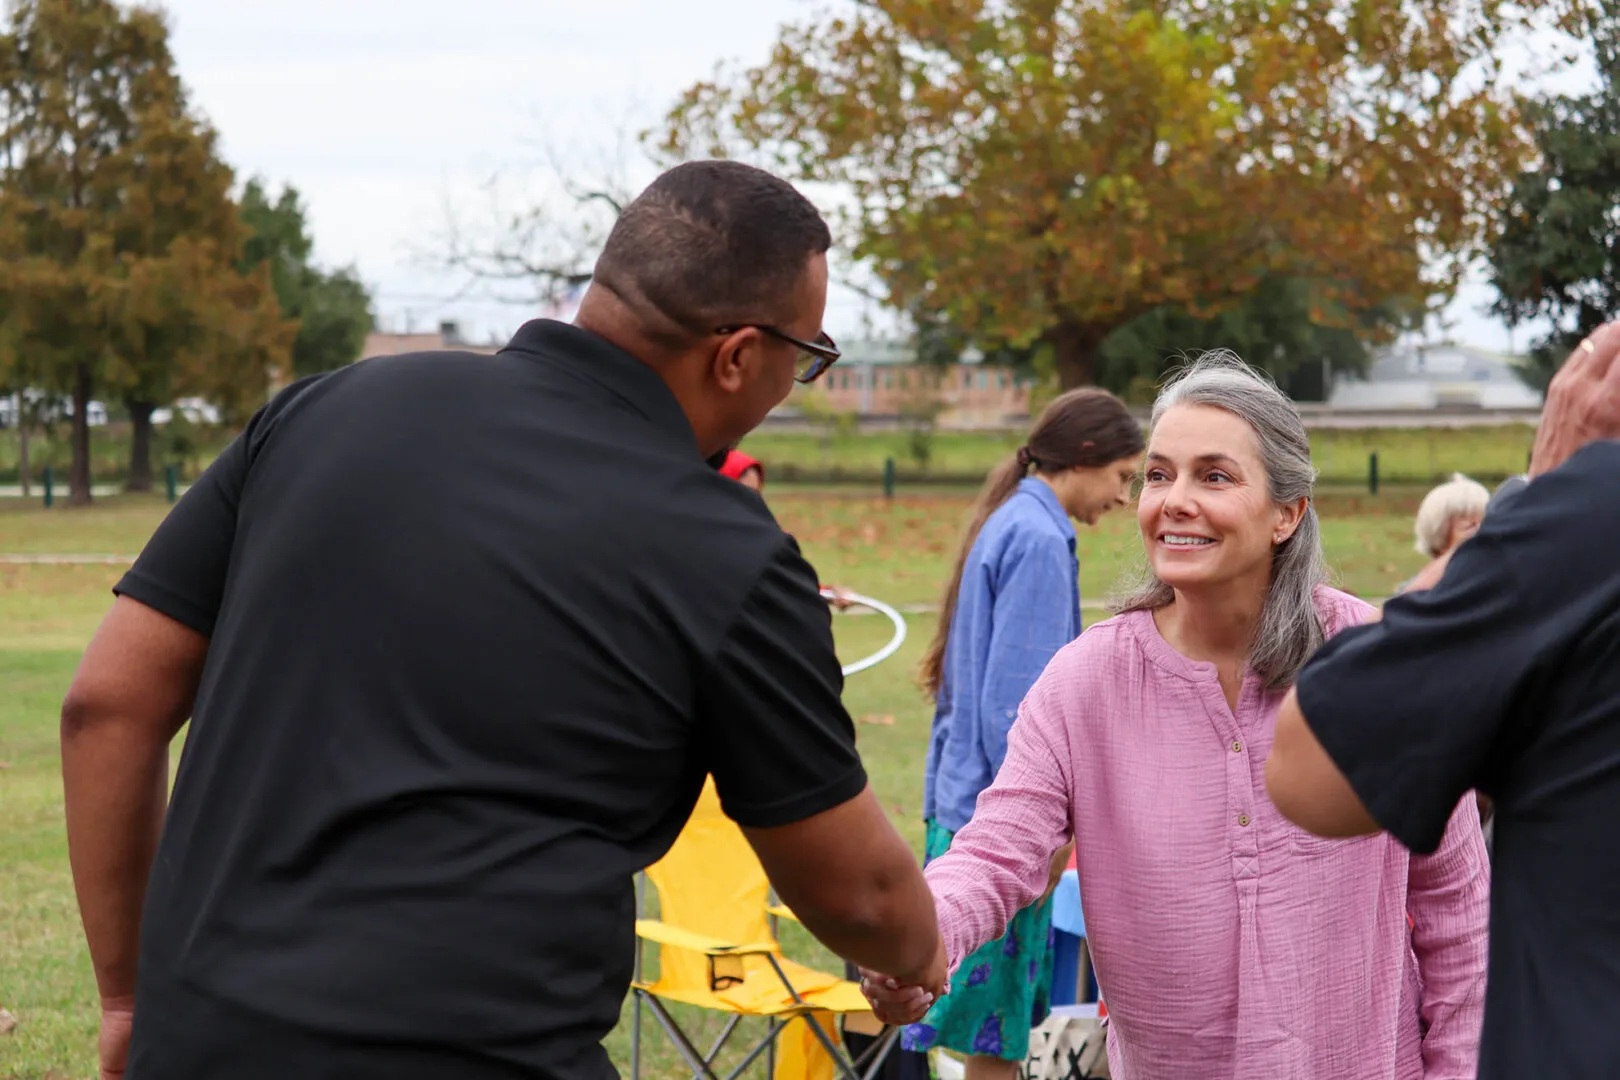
[[863, 1067]]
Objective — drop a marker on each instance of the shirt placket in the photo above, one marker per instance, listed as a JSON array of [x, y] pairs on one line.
[[1243, 831]]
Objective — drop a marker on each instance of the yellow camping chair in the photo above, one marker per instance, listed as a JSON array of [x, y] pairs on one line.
[[717, 950]]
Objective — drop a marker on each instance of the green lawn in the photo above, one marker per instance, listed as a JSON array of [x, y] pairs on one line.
[[897, 551]]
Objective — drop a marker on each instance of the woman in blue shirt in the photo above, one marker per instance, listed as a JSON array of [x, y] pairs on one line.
[[1013, 602]]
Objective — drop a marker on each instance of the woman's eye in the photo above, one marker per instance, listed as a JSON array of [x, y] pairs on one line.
[[1154, 476], [1218, 477]]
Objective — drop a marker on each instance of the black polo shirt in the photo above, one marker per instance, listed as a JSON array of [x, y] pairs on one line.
[[1506, 678], [479, 627]]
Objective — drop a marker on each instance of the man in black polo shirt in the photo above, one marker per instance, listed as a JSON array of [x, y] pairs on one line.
[[460, 638], [1503, 678]]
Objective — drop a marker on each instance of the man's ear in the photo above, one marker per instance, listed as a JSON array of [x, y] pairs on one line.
[[736, 355]]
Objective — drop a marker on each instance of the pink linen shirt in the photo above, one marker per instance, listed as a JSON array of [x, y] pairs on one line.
[[1228, 943]]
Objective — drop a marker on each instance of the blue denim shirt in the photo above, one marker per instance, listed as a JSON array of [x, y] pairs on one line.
[[1018, 604]]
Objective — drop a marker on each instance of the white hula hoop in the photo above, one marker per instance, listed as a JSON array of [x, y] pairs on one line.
[[881, 608]]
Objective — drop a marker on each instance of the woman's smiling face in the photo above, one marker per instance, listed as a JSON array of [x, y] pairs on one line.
[[1206, 513]]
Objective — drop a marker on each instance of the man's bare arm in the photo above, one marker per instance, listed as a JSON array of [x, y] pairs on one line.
[[856, 885], [1304, 783], [131, 694]]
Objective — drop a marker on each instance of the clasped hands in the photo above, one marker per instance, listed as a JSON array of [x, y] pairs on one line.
[[897, 1001]]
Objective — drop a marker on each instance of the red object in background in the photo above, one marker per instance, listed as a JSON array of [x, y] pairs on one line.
[[737, 463], [1074, 861]]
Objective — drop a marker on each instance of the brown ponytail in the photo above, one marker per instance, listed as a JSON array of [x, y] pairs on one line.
[[1086, 428]]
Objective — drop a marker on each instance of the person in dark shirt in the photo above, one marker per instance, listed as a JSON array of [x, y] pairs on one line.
[[459, 639], [1501, 672]]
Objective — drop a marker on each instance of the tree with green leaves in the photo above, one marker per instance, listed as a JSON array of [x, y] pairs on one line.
[[1275, 328], [333, 307], [1047, 171], [1558, 256], [118, 237]]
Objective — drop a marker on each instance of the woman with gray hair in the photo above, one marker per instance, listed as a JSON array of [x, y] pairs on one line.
[[1227, 942]]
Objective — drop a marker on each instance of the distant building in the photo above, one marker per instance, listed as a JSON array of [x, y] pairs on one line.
[[448, 336], [1436, 376], [881, 378]]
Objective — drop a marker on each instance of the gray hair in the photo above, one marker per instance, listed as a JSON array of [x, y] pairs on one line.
[[1290, 629], [1456, 498]]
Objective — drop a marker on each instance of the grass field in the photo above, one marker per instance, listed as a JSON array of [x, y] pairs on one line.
[[896, 551]]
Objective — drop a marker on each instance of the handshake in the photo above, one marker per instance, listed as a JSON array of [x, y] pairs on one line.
[[897, 1002]]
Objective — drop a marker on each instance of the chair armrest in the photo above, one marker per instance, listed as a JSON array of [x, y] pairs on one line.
[[663, 933], [782, 911]]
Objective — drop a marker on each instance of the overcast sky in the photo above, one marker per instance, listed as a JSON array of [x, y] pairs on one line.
[[382, 112]]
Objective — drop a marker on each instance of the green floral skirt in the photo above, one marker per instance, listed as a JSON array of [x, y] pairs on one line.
[[999, 993]]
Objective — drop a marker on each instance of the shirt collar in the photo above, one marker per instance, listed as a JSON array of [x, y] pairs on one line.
[[1048, 499], [598, 360]]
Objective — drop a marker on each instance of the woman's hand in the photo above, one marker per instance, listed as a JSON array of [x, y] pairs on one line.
[[899, 1001], [894, 1002]]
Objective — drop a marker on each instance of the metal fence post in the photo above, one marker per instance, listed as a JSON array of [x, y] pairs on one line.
[[1372, 472], [888, 478], [48, 492]]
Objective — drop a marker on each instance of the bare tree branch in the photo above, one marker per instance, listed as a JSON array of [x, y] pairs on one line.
[[547, 236]]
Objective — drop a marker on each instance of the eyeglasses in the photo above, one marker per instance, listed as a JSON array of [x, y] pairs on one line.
[[815, 357]]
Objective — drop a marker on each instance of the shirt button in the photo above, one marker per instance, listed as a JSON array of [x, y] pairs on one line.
[[1243, 820], [1237, 748]]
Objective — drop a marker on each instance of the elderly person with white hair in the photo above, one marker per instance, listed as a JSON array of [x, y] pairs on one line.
[[1448, 515], [1227, 942]]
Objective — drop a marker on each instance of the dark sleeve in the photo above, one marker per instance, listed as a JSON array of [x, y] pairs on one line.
[[181, 572], [1425, 705], [773, 725]]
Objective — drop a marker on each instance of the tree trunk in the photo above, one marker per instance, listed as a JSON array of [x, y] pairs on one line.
[[1075, 347], [140, 446], [22, 450], [79, 474]]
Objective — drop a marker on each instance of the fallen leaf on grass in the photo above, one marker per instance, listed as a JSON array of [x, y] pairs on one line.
[[8, 1023], [884, 720], [5, 764]]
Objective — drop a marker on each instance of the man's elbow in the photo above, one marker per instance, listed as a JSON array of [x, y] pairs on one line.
[[81, 714], [91, 714]]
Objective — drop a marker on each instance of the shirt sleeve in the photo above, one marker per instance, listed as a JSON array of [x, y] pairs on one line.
[[1029, 624], [777, 738], [1000, 862], [1448, 897], [1424, 705], [182, 570]]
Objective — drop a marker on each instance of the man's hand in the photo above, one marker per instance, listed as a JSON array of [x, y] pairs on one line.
[[1583, 402], [838, 597], [117, 1021], [895, 1001]]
